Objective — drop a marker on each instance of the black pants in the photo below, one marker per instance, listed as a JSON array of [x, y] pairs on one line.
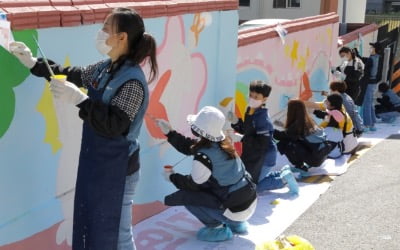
[[299, 154]]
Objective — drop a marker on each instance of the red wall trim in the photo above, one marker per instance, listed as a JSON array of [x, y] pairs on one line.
[[259, 34], [354, 34], [31, 14]]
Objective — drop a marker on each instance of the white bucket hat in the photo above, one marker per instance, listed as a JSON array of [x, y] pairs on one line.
[[208, 123]]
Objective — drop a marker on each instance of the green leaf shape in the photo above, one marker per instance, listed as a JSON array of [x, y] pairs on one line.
[[12, 73]]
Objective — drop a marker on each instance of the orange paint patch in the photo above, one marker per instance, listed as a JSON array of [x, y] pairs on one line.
[[156, 109]]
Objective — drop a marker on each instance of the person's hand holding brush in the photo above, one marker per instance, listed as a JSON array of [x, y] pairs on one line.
[[164, 126]]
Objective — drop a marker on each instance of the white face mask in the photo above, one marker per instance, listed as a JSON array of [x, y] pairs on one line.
[[101, 45], [344, 59], [253, 103]]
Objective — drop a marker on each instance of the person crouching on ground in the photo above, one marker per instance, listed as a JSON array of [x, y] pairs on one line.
[[335, 102], [218, 191], [259, 150], [389, 104], [339, 87], [302, 141]]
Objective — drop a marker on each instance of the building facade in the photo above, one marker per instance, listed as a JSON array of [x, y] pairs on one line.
[[291, 9]]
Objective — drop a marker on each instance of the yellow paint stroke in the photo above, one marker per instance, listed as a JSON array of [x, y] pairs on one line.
[[293, 53], [302, 63], [225, 102], [197, 26], [241, 103], [329, 33], [46, 107]]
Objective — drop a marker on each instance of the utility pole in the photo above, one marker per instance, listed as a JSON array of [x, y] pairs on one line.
[[343, 25]]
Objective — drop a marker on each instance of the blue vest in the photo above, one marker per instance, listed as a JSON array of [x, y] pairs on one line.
[[225, 172], [124, 74]]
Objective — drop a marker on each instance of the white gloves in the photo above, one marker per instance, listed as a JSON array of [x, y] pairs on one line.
[[67, 92], [164, 126], [23, 53], [339, 75], [231, 117]]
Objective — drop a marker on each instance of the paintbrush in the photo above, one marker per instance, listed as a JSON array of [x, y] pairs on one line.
[[44, 57]]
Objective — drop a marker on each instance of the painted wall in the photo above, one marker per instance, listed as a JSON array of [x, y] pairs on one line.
[[199, 65], [297, 69], [40, 137]]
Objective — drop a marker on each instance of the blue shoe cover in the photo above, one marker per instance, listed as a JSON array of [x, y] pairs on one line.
[[287, 175], [298, 170], [215, 234], [239, 228]]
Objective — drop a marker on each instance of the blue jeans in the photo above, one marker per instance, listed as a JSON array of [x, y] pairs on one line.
[[387, 116], [368, 109], [268, 179], [210, 217], [125, 235]]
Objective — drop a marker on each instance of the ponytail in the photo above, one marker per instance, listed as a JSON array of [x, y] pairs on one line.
[[141, 45], [145, 50], [225, 145], [353, 54]]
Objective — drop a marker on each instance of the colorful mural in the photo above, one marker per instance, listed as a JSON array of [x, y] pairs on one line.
[[199, 64], [40, 137], [298, 69]]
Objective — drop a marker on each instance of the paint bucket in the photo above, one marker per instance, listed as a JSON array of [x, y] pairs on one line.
[[168, 168], [61, 78]]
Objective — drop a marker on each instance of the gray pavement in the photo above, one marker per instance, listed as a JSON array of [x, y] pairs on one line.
[[361, 210]]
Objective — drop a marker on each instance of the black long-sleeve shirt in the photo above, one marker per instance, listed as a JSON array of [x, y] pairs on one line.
[[184, 145], [107, 120]]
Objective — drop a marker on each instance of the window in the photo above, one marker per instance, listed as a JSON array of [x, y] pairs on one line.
[[279, 4], [286, 4], [244, 2], [293, 4]]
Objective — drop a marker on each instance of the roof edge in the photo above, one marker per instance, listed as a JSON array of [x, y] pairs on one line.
[[262, 33], [55, 13]]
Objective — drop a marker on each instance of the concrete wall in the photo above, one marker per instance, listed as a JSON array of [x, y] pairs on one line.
[[355, 11], [250, 12], [263, 9]]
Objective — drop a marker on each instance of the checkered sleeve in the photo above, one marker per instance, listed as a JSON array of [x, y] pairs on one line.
[[129, 98], [88, 72]]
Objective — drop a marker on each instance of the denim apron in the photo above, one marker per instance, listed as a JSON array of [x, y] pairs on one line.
[[103, 164]]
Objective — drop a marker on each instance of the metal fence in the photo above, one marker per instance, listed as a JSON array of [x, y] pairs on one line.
[[393, 21]]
